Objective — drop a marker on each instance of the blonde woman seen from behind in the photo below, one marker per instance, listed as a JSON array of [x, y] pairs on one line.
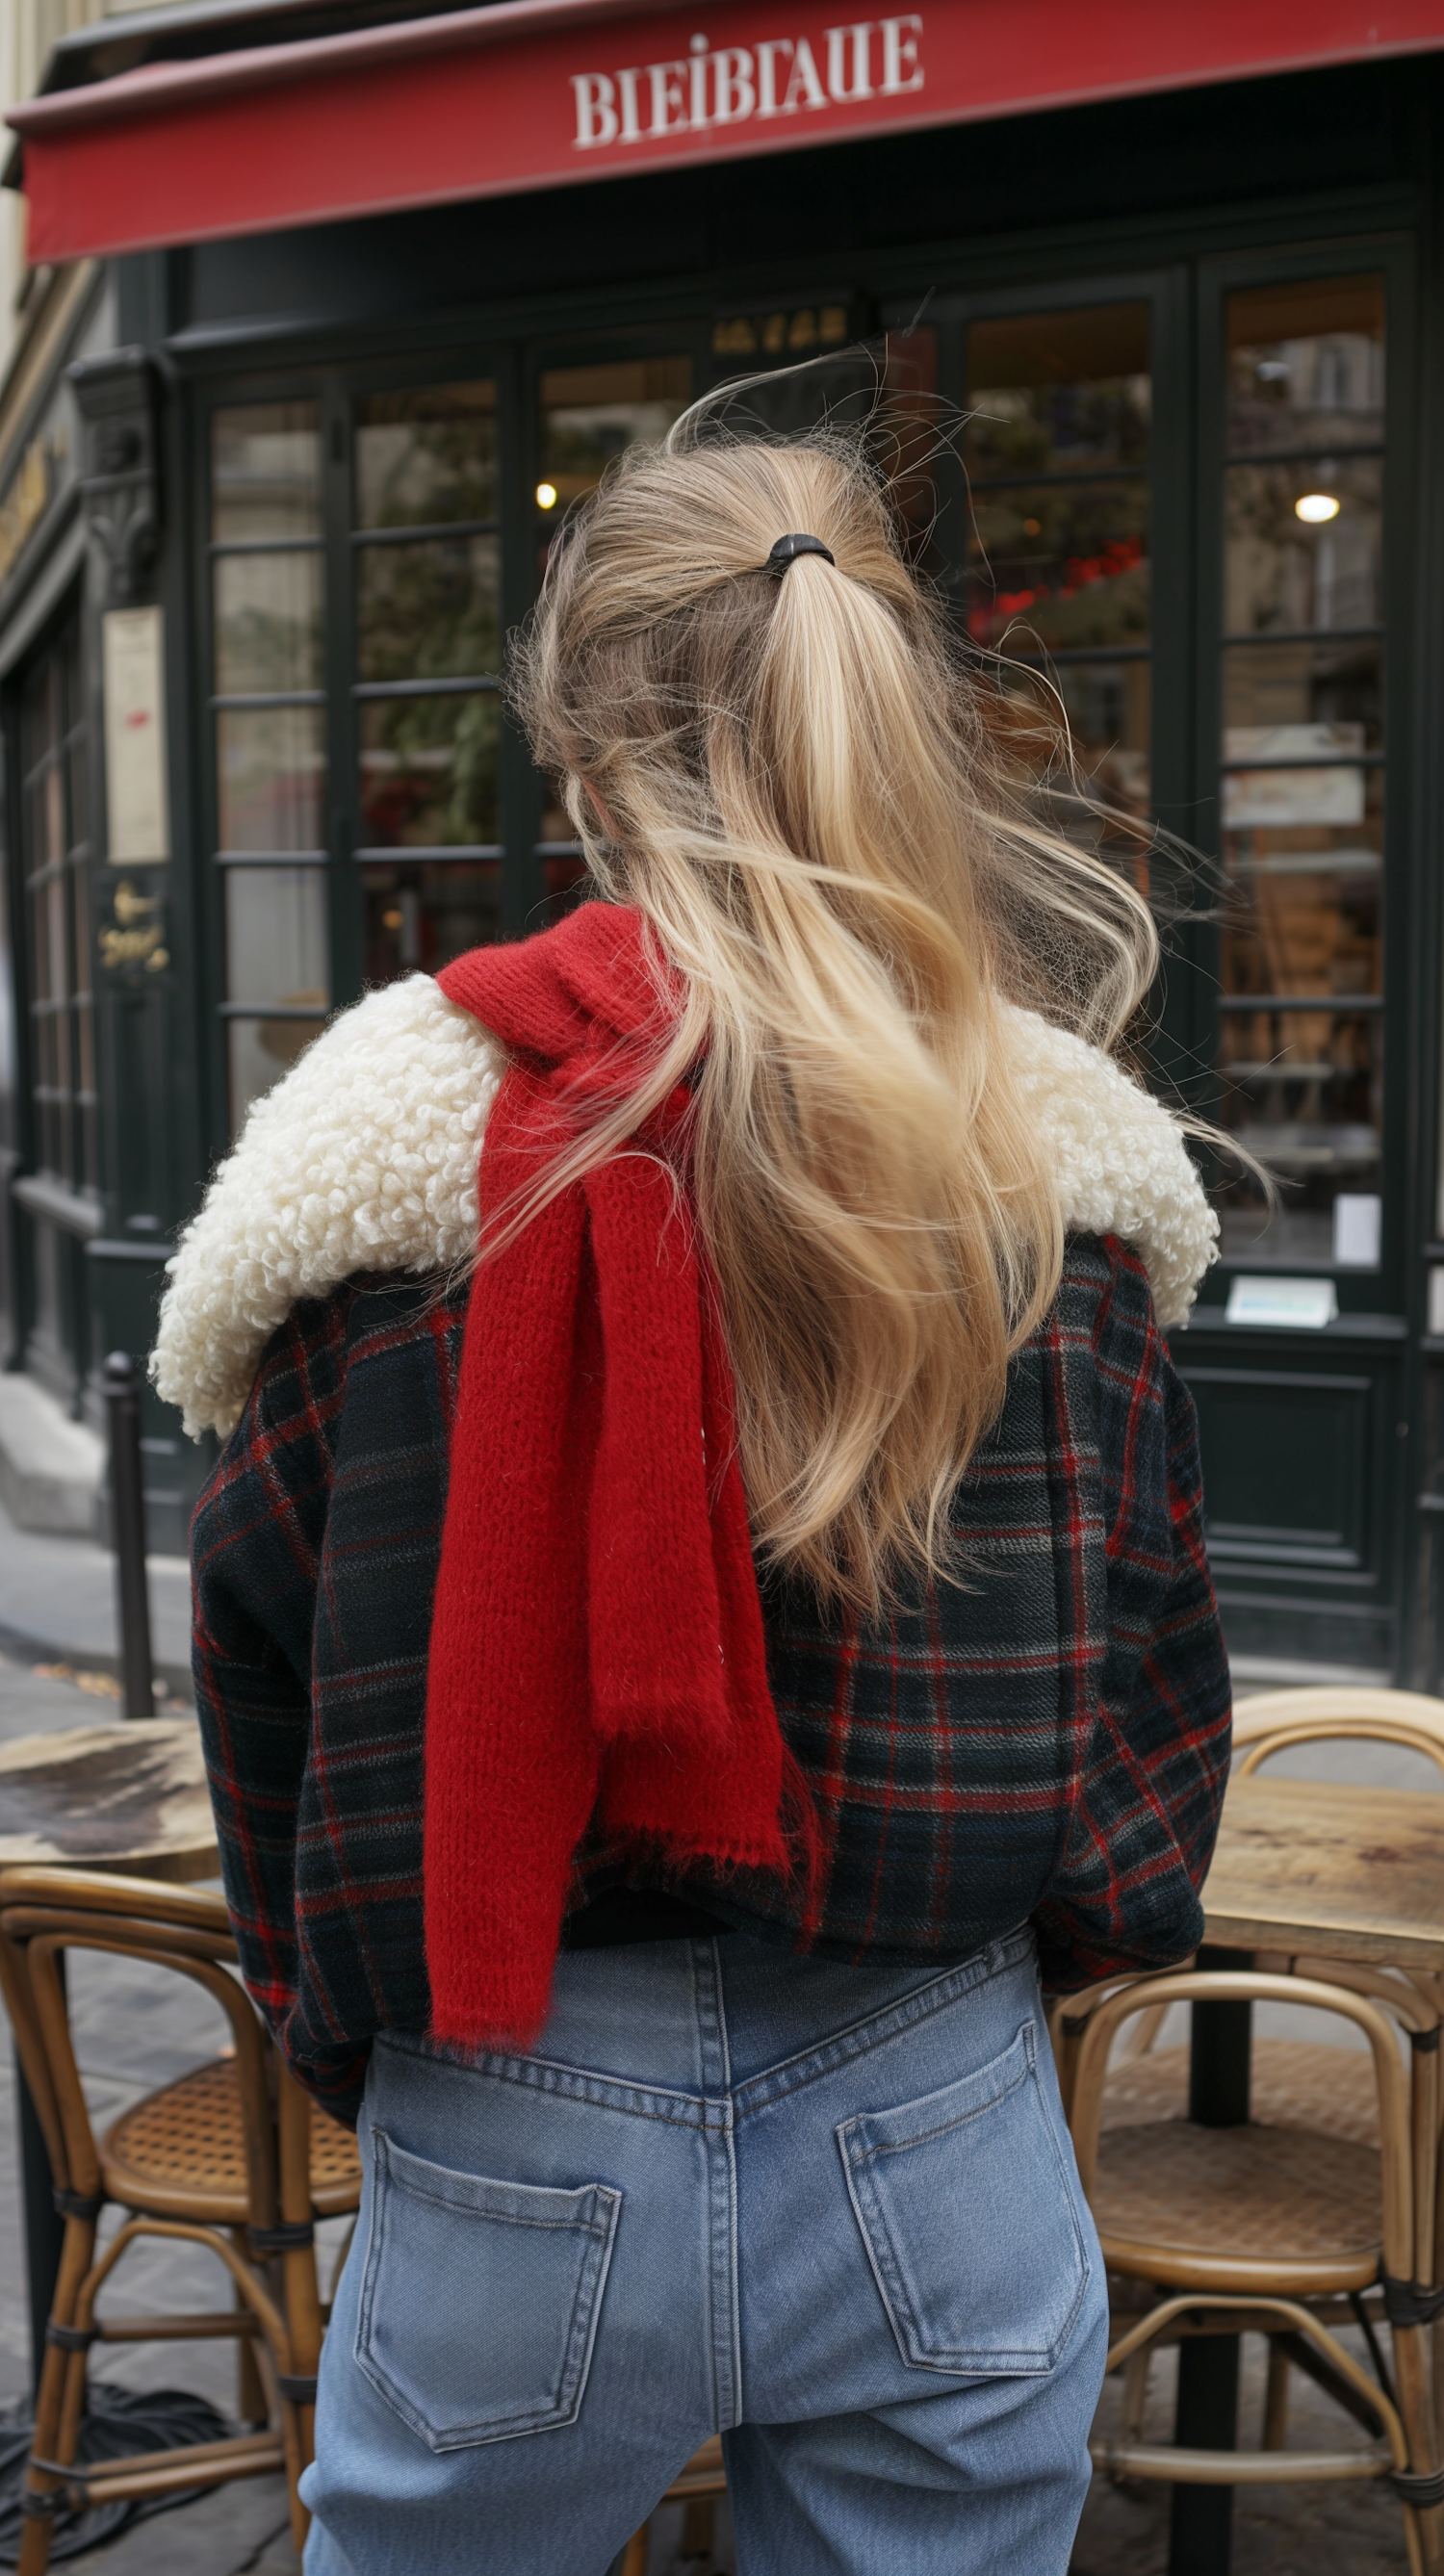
[[703, 1601]]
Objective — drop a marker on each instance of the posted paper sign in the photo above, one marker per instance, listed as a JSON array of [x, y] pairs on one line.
[[134, 657], [1310, 1303]]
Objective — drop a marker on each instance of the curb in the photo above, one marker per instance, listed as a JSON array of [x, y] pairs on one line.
[[25, 1649]]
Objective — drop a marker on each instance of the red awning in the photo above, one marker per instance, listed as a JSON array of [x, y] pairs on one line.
[[539, 93]]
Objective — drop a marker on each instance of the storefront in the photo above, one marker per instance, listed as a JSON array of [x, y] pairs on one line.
[[373, 346]]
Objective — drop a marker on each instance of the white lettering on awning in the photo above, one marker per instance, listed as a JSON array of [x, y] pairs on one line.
[[735, 84]]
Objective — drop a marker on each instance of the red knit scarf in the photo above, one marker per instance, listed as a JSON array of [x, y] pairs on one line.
[[596, 1645]]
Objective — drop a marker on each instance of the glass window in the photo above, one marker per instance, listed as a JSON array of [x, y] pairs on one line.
[[1302, 550], [268, 623], [1306, 366], [265, 473], [430, 610], [420, 913], [267, 592], [426, 458], [586, 416], [1302, 798], [429, 772], [428, 656], [276, 953], [276, 935], [271, 777], [1057, 576], [56, 867], [589, 414]]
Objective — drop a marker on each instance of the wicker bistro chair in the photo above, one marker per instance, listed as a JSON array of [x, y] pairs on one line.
[[1268, 2228], [229, 2157], [1274, 1722]]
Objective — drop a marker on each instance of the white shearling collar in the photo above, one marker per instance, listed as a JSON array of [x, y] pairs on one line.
[[365, 1156]]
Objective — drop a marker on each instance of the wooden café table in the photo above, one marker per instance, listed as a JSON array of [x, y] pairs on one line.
[[1301, 1865], [130, 1797]]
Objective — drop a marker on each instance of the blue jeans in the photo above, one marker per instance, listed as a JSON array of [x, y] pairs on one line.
[[832, 2211]]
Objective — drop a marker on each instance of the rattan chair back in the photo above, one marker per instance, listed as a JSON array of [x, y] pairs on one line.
[[45, 1912], [1274, 1720], [224, 2157]]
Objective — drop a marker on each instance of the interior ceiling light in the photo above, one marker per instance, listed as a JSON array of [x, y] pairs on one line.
[[1315, 507], [546, 496]]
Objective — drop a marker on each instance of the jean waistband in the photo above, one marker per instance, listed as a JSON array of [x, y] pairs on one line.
[[707, 2033]]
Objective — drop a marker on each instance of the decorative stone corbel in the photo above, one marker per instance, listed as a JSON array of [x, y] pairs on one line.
[[117, 398]]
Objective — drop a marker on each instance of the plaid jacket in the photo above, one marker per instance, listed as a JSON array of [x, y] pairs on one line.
[[1044, 1741]]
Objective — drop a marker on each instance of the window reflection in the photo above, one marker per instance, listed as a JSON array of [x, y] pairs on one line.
[[1059, 424], [268, 623], [1287, 572], [428, 610], [1306, 365], [276, 936], [1302, 788], [1059, 393], [426, 456], [1303, 683], [55, 862], [421, 915], [265, 472], [267, 602], [908, 440], [429, 772], [1067, 564], [271, 772], [588, 415]]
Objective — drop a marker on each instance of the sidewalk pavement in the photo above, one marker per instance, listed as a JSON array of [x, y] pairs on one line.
[[57, 1606]]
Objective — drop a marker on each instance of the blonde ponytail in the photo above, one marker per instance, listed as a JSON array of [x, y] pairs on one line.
[[801, 796]]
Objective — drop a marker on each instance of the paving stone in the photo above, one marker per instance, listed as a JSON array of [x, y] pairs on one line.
[[228, 2532]]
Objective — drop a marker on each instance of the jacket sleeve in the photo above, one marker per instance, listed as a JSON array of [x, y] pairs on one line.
[[256, 1550], [1149, 1791]]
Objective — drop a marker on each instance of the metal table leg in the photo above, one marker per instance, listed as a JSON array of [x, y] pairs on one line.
[[1201, 2531]]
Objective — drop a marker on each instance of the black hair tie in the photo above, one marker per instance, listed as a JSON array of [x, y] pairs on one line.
[[787, 550]]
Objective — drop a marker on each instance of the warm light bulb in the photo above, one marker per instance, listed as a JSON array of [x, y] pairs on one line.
[[1315, 507], [546, 496]]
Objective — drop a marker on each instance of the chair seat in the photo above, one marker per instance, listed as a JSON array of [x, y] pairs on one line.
[[181, 2153], [1294, 2084], [1254, 2208]]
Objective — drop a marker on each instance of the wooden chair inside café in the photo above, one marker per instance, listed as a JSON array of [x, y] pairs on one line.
[[231, 2157], [1272, 2227]]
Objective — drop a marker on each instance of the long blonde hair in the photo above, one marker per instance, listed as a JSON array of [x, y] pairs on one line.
[[794, 782]]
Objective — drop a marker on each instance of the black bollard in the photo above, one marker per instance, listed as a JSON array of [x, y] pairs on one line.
[[127, 1534]]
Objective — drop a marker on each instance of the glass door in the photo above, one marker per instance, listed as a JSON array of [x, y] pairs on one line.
[[425, 549], [1058, 565], [585, 416], [1042, 449], [267, 599], [355, 626], [1301, 750]]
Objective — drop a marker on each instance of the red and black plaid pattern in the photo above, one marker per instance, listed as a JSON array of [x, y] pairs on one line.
[[1044, 1740]]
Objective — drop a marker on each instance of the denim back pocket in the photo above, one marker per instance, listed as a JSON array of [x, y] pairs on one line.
[[966, 2202], [480, 2300]]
